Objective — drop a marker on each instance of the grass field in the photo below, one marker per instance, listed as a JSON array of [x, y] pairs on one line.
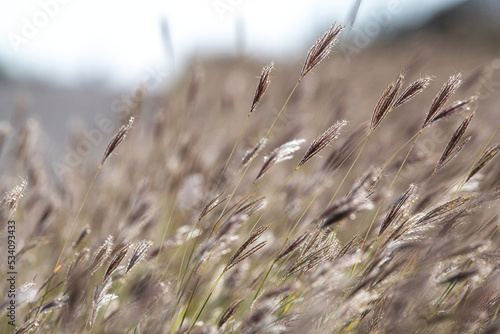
[[338, 193]]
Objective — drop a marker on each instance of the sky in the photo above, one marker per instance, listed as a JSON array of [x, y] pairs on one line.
[[120, 42]]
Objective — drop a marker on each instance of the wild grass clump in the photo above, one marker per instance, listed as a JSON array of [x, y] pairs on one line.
[[379, 225]]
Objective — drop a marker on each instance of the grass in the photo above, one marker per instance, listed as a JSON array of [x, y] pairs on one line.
[[385, 222]]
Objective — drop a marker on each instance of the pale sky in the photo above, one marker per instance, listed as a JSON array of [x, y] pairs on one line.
[[73, 40]]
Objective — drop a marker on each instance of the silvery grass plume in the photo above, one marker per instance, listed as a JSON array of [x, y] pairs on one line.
[[264, 82], [448, 89], [321, 49], [117, 139], [282, 153], [10, 201], [214, 203], [251, 154], [101, 297], [454, 146], [319, 246], [101, 255], [138, 254], [322, 141]]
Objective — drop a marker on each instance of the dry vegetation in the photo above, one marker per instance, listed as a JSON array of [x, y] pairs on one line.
[[214, 215]]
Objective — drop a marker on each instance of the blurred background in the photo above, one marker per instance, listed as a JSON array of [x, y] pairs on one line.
[[66, 62]]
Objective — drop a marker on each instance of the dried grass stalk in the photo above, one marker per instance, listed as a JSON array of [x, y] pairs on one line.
[[101, 297], [399, 208], [485, 158], [251, 154], [115, 262], [101, 254], [321, 49], [117, 139], [412, 90], [294, 245], [231, 310], [320, 143], [386, 102], [239, 255], [138, 254], [454, 147], [357, 199], [11, 200], [442, 97], [215, 202], [264, 82], [282, 153], [85, 232], [455, 108]]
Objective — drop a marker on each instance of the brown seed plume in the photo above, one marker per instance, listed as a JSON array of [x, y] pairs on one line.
[[322, 141], [485, 158], [442, 97], [231, 310], [264, 82], [399, 208], [357, 199], [412, 90], [321, 49], [454, 147], [215, 202], [115, 262], [455, 108], [386, 102], [293, 246], [117, 139], [239, 255]]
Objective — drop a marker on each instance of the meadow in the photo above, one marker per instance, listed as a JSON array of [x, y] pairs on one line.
[[333, 194]]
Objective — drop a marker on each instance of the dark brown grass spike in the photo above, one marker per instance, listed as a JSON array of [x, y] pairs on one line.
[[397, 208], [231, 310], [101, 254], [322, 141], [442, 97], [294, 245], [237, 257], [214, 202], [115, 262], [117, 139], [412, 90], [454, 147], [386, 102], [264, 82], [455, 108], [485, 158], [321, 49]]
